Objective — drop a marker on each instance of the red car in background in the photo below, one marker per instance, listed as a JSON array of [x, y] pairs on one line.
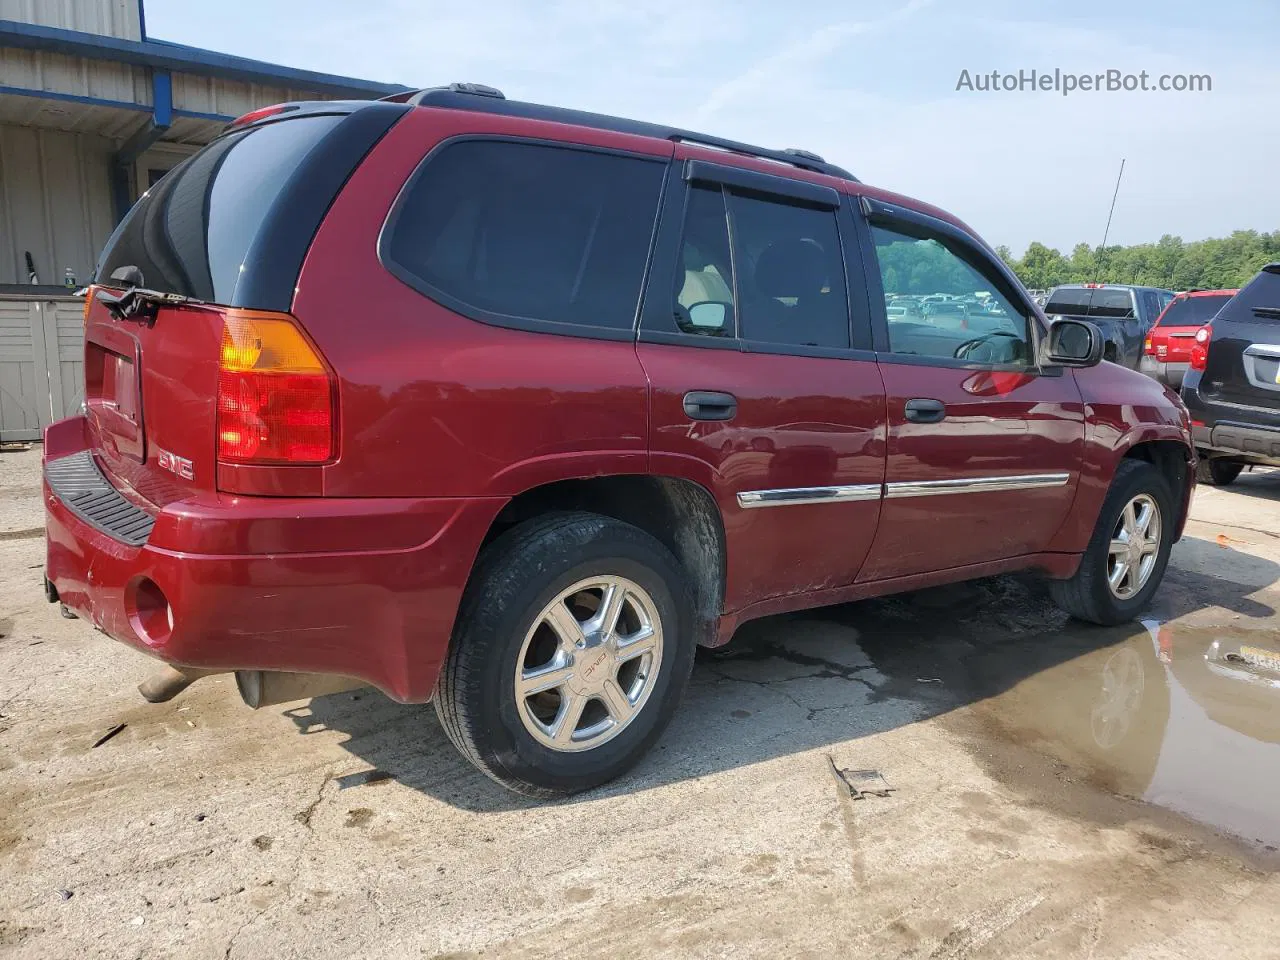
[[1167, 349]]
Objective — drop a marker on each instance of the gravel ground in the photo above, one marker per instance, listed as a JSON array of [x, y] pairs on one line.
[[1021, 786]]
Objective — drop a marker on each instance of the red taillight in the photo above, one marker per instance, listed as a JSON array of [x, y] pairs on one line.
[[275, 394], [1200, 348], [1147, 348]]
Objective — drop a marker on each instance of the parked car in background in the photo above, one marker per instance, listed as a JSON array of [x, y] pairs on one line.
[[1232, 384], [481, 402], [1122, 312], [950, 314], [902, 309], [1166, 351]]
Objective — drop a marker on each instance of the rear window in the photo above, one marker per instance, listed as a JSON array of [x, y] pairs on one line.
[[1085, 302], [191, 232], [513, 232], [1192, 311], [1260, 295]]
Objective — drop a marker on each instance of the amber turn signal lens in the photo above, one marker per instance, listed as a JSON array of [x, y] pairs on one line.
[[275, 393]]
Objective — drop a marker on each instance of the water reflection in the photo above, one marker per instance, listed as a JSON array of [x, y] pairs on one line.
[[1186, 718]]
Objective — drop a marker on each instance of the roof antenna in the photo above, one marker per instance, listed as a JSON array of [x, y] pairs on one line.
[[1107, 231]]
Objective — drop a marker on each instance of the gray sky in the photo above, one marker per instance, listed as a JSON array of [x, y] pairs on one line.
[[871, 86]]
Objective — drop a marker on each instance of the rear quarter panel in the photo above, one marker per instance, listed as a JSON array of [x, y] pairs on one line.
[[1122, 409], [436, 404]]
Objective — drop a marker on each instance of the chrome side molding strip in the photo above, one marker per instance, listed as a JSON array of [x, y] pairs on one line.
[[933, 488], [789, 496], [750, 499]]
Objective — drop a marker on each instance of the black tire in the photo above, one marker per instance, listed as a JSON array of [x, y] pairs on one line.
[[1087, 596], [1217, 473], [515, 577]]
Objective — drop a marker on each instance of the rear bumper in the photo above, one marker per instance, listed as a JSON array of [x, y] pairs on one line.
[[1230, 429], [1169, 373], [362, 588]]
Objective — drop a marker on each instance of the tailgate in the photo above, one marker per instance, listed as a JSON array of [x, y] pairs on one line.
[[228, 226], [150, 389], [1173, 344]]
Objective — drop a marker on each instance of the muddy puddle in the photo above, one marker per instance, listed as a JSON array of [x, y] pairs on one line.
[[1185, 718]]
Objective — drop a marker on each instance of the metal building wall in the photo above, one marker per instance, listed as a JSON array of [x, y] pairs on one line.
[[230, 98], [100, 79], [110, 18], [55, 200]]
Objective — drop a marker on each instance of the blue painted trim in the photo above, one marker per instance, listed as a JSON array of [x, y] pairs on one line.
[[162, 98], [142, 18], [73, 98], [117, 104], [197, 115], [175, 56]]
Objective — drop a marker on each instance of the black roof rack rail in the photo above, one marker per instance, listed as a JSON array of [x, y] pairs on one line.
[[478, 96]]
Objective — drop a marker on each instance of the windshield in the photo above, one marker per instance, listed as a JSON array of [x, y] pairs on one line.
[[1192, 311], [1090, 302], [190, 233]]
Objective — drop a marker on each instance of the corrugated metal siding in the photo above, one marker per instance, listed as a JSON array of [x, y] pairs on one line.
[[102, 79], [113, 122], [109, 18], [65, 320], [20, 399], [55, 200], [228, 97], [41, 363]]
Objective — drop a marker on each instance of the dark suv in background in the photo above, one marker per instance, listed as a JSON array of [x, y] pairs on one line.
[[1232, 385], [1123, 313], [511, 407]]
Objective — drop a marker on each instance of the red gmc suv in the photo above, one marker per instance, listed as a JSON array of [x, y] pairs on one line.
[[511, 407]]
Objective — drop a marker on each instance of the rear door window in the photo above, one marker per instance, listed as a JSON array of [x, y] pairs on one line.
[[790, 273], [1261, 295], [704, 301], [190, 233], [778, 283], [525, 234]]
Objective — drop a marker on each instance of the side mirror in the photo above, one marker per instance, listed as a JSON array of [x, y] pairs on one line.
[[709, 315], [1072, 343]]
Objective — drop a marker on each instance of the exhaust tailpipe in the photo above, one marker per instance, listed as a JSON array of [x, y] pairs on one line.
[[169, 681], [267, 688]]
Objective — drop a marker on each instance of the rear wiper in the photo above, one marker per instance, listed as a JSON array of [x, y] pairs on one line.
[[139, 303]]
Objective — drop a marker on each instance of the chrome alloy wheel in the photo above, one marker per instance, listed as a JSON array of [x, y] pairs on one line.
[[588, 663], [1135, 545]]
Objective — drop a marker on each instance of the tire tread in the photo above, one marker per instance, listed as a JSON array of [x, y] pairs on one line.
[[1084, 595], [455, 693]]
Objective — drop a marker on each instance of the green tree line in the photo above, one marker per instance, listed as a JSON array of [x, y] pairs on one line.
[[1218, 263]]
